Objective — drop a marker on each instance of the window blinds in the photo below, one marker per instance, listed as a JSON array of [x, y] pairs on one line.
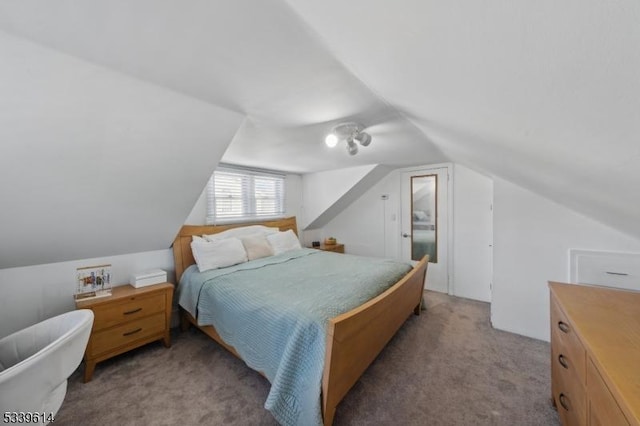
[[237, 194]]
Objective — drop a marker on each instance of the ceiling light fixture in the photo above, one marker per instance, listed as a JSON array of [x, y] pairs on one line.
[[351, 133]]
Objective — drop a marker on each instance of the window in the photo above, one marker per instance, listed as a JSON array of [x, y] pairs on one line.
[[237, 194]]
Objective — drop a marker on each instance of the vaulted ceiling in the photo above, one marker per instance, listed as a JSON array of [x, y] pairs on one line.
[[544, 94], [255, 57]]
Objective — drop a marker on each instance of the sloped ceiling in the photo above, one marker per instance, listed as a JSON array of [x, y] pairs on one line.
[[94, 163], [325, 194], [252, 56], [544, 94]]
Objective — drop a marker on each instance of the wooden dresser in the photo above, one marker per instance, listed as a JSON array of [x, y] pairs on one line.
[[129, 318], [595, 355]]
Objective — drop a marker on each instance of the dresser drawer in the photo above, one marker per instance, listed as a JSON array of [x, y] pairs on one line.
[[603, 409], [128, 309], [568, 392], [569, 353], [115, 337]]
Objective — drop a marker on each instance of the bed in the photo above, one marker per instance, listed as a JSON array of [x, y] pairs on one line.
[[350, 340]]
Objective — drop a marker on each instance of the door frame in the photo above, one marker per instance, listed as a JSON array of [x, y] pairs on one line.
[[450, 227]]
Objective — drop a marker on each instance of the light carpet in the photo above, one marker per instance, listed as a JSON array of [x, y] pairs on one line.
[[444, 367]]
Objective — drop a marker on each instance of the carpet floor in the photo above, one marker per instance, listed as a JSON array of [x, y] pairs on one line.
[[444, 367]]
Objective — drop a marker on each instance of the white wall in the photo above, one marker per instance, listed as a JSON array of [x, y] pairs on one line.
[[532, 238], [33, 293], [322, 190], [293, 196], [369, 226], [472, 234], [198, 215]]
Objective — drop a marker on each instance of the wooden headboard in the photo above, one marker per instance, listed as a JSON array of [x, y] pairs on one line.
[[182, 244]]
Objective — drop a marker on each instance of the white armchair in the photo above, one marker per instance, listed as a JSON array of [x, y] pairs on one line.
[[36, 362]]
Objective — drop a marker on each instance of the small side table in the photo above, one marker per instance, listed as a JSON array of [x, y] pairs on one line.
[[129, 318], [336, 248]]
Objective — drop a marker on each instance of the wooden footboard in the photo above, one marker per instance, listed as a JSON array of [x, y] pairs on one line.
[[355, 338]]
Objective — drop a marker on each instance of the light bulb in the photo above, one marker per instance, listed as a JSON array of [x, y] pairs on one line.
[[331, 140], [352, 148]]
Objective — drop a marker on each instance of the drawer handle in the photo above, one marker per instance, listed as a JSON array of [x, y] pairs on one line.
[[137, 330], [563, 401], [133, 312], [563, 326], [563, 361], [622, 274]]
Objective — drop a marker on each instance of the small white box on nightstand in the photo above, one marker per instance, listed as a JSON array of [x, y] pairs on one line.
[[142, 279]]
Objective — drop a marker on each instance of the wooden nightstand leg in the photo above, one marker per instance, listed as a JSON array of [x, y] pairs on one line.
[[89, 366], [166, 340]]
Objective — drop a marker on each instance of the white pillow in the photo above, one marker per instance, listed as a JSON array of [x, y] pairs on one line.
[[257, 246], [283, 241], [218, 254], [243, 231]]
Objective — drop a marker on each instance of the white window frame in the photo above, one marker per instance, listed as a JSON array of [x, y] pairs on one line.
[[244, 208]]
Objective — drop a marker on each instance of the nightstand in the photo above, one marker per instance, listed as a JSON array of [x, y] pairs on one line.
[[129, 318], [337, 248]]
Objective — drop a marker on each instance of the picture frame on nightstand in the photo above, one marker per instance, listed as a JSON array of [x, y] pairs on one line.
[[92, 282]]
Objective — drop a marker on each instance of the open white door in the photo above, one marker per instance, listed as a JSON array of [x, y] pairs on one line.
[[425, 222]]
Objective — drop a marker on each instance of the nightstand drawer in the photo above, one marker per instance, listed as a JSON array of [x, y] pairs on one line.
[[115, 337], [130, 309]]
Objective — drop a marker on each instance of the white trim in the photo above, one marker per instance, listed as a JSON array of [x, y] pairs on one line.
[[254, 170]]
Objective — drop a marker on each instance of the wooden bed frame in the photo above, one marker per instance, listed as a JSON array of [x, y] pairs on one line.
[[354, 339]]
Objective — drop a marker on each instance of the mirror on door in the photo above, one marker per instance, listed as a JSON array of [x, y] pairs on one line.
[[424, 229]]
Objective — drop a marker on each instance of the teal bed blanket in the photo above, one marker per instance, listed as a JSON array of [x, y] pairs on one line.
[[274, 312]]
